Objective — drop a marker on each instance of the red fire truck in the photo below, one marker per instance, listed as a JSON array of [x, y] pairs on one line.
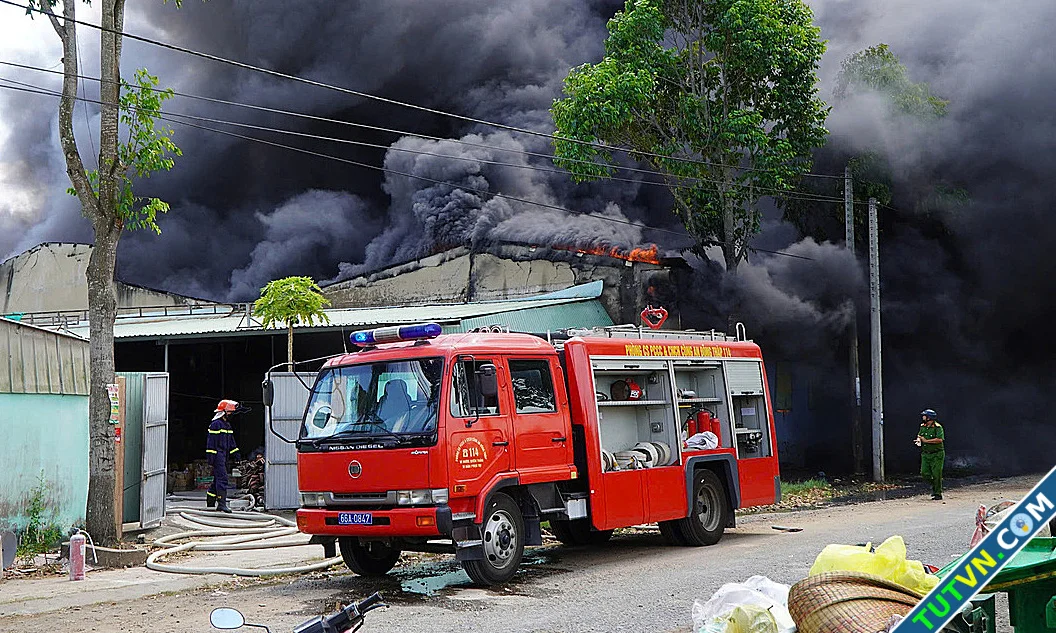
[[466, 443]]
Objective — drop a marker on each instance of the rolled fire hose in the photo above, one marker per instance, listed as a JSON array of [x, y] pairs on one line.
[[246, 531]]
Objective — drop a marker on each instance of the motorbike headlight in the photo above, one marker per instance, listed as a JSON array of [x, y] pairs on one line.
[[313, 499]]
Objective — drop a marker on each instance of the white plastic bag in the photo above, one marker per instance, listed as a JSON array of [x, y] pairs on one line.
[[758, 591], [705, 441]]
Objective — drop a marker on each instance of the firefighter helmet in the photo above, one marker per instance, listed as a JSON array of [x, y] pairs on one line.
[[225, 407], [635, 392]]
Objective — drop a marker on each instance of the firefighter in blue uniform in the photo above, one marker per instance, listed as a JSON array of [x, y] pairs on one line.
[[219, 447]]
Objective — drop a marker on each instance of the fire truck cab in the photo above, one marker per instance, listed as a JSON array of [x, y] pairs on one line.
[[467, 443]]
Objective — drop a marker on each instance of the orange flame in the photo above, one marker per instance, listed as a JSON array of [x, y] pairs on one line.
[[648, 255]]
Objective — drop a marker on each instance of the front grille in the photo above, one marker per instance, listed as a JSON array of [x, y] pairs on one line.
[[361, 496]]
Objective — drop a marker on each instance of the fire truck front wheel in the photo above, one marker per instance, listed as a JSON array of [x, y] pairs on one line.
[[708, 512], [368, 559], [502, 533]]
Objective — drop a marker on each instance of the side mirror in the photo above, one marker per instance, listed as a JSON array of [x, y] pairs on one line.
[[226, 618], [489, 380], [269, 392]]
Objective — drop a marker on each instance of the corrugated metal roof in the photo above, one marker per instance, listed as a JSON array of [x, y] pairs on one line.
[[537, 320], [199, 326]]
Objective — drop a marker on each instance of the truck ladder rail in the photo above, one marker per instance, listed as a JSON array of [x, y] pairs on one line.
[[633, 331]]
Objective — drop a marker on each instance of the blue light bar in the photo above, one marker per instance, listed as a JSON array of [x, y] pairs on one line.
[[396, 334]]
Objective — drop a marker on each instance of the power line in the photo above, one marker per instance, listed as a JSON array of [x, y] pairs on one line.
[[23, 87], [791, 194], [785, 193], [366, 95]]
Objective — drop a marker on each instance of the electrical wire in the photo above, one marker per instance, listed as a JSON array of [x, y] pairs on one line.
[[782, 193], [366, 95], [36, 90], [687, 180]]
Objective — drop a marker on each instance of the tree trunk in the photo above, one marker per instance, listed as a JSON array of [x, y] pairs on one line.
[[730, 249], [289, 345], [101, 208], [102, 302]]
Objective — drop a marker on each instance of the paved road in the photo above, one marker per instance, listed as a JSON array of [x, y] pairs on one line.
[[633, 584]]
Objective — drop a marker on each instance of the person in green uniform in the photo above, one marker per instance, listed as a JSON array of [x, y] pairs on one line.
[[931, 440]]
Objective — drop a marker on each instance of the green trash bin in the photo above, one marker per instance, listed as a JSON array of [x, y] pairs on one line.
[[1029, 579]]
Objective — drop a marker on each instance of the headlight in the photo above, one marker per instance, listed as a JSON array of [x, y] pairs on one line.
[[313, 499], [421, 497]]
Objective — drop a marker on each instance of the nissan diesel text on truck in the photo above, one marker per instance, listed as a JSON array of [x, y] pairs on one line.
[[466, 443]]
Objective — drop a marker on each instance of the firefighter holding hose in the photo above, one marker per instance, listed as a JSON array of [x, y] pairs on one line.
[[219, 447], [931, 440]]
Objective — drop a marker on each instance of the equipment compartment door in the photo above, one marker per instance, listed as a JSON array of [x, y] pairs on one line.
[[623, 502], [542, 438], [481, 442]]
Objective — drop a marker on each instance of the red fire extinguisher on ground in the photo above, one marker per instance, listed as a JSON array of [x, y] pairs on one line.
[[77, 547]]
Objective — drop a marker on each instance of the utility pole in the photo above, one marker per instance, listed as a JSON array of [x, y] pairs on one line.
[[858, 452], [874, 320]]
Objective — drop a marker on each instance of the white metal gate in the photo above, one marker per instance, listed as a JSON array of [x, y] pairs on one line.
[[155, 449], [280, 470]]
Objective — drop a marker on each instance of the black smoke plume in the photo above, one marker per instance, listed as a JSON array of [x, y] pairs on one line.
[[966, 289]]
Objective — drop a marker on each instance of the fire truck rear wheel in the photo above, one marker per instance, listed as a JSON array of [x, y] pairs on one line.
[[368, 559], [672, 533], [578, 532], [709, 512], [502, 532]]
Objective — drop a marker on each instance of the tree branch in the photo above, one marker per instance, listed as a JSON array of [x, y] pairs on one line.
[[74, 164], [55, 24]]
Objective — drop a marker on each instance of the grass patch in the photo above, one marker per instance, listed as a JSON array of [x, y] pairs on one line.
[[799, 488]]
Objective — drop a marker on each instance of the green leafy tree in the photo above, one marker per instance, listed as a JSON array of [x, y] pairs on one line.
[[107, 200], [718, 95], [288, 302], [876, 70]]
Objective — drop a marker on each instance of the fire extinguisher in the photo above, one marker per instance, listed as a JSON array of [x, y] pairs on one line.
[[691, 425], [77, 546]]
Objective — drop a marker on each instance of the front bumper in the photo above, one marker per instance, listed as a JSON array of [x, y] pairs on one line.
[[391, 522]]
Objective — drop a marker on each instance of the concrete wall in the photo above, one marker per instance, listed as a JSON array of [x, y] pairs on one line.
[[50, 278], [49, 433]]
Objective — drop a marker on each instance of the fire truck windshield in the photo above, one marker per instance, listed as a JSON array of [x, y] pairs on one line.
[[393, 399]]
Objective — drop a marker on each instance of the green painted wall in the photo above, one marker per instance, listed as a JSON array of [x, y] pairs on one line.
[[50, 433]]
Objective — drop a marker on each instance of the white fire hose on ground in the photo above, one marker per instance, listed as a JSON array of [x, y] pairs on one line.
[[246, 531]]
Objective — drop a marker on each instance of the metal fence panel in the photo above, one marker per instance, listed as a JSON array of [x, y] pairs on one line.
[[280, 479], [33, 360], [155, 449]]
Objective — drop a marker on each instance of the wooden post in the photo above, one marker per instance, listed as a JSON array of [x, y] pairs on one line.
[[119, 458]]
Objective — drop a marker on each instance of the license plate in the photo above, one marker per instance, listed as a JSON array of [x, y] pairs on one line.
[[354, 518]]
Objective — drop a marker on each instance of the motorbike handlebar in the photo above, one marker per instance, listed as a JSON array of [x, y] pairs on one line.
[[349, 618], [371, 602]]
